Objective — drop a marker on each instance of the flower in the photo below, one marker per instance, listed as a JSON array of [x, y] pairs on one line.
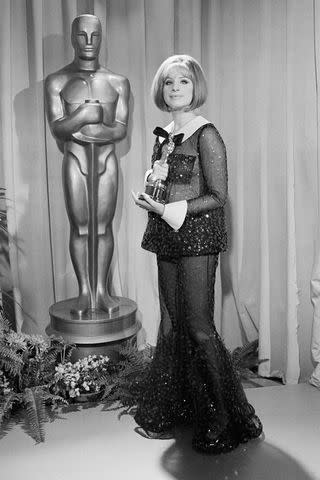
[[4, 384], [18, 340], [73, 379]]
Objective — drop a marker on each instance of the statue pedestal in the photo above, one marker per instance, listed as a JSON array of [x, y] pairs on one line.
[[96, 332]]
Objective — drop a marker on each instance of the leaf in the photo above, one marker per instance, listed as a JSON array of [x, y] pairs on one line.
[[54, 399], [43, 369], [107, 391], [6, 405], [103, 381], [10, 360], [4, 322], [35, 409], [246, 356]]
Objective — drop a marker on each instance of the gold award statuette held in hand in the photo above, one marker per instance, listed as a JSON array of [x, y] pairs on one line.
[[157, 188]]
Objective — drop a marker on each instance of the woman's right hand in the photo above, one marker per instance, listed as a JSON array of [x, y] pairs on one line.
[[159, 171]]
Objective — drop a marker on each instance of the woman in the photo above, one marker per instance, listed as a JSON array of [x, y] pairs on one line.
[[191, 378]]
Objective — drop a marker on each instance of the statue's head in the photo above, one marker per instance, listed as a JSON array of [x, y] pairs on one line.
[[86, 36]]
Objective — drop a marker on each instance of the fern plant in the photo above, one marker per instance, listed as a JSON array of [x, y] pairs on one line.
[[127, 377], [27, 368], [246, 359]]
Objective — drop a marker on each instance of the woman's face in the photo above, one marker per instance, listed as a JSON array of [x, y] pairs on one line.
[[177, 88]]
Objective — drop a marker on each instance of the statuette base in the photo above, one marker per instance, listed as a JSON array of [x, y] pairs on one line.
[[96, 332], [157, 191]]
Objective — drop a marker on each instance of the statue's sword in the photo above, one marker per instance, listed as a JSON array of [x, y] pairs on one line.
[[93, 185]]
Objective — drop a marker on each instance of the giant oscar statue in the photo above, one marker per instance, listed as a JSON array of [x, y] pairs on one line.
[[87, 109]]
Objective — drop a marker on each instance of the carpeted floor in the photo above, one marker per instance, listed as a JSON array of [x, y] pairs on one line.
[[90, 444]]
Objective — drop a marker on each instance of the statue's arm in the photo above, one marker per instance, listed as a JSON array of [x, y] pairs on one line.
[[62, 125], [118, 129], [122, 112]]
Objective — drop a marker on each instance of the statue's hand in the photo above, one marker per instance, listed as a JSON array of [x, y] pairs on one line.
[[94, 133], [91, 112], [90, 130]]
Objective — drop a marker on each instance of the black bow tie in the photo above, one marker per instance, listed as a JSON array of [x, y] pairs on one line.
[[161, 132]]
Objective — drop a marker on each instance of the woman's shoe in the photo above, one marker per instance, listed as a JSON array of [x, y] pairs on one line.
[[153, 435], [212, 444], [252, 428]]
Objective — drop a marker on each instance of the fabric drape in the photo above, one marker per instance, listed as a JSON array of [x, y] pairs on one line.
[[261, 59]]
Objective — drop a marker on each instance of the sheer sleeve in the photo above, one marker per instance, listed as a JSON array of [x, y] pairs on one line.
[[213, 160]]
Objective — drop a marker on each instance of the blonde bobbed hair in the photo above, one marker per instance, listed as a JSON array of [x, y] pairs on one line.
[[194, 72]]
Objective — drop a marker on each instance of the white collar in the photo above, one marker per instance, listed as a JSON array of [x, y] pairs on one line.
[[189, 128]]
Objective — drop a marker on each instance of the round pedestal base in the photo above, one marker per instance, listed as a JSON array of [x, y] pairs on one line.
[[97, 332]]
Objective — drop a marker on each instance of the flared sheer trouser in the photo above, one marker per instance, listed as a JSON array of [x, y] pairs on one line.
[[192, 378]]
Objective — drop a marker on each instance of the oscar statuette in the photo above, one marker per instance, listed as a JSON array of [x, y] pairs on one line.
[[156, 189]]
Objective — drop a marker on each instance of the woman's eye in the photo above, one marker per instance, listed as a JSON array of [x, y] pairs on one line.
[[184, 81], [168, 82]]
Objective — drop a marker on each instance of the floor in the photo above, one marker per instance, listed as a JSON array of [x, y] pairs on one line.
[[91, 444]]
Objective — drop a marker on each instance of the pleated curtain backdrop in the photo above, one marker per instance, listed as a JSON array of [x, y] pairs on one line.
[[261, 58]]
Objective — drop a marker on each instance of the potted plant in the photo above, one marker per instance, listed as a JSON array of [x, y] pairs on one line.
[[82, 381]]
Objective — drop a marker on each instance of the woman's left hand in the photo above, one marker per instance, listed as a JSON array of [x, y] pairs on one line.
[[143, 200]]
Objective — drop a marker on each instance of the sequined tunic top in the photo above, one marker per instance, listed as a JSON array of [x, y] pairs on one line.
[[198, 174]]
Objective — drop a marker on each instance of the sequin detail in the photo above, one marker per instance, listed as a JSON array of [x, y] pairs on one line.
[[180, 168], [191, 379], [198, 174]]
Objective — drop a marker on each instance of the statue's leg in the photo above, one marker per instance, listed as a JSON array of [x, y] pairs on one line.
[[107, 199], [76, 199]]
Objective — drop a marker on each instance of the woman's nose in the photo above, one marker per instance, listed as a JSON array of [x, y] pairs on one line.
[[175, 87]]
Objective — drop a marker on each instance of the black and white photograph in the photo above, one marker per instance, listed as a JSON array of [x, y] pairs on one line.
[[160, 239]]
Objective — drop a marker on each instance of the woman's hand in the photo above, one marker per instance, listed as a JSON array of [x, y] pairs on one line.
[[159, 171], [145, 201]]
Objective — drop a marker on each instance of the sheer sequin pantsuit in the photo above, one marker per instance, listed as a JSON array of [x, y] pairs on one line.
[[191, 379]]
